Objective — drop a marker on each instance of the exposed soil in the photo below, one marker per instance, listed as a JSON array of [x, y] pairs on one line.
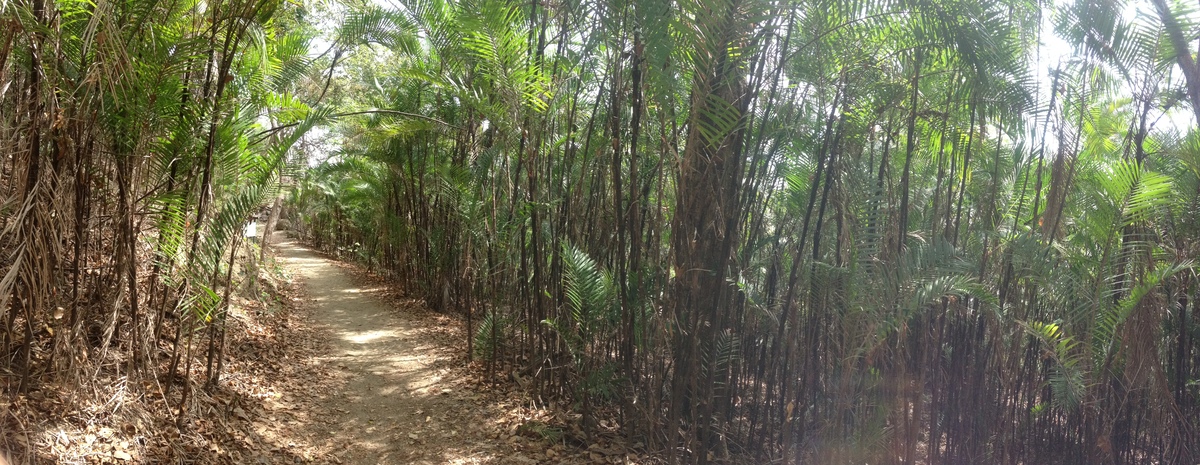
[[401, 392], [397, 401], [336, 366]]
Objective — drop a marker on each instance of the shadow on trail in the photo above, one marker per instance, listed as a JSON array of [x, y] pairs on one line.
[[394, 406]]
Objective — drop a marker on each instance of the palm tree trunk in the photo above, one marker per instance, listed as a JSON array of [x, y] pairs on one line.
[[911, 144], [704, 229]]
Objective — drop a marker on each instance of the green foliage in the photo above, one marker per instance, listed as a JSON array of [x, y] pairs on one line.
[[591, 298], [1067, 379], [150, 133], [533, 158], [489, 336]]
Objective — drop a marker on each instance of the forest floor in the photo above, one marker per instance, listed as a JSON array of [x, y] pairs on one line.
[[393, 386], [391, 394], [399, 393], [340, 368]]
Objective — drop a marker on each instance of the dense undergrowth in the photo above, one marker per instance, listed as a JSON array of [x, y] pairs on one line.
[[822, 232], [136, 139], [814, 232]]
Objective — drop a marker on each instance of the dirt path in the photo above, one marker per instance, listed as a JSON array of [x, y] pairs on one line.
[[397, 403], [341, 369]]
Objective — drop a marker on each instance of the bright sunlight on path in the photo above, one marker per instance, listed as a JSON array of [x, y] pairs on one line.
[[395, 406]]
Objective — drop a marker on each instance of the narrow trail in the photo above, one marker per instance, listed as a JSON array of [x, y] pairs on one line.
[[396, 405]]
